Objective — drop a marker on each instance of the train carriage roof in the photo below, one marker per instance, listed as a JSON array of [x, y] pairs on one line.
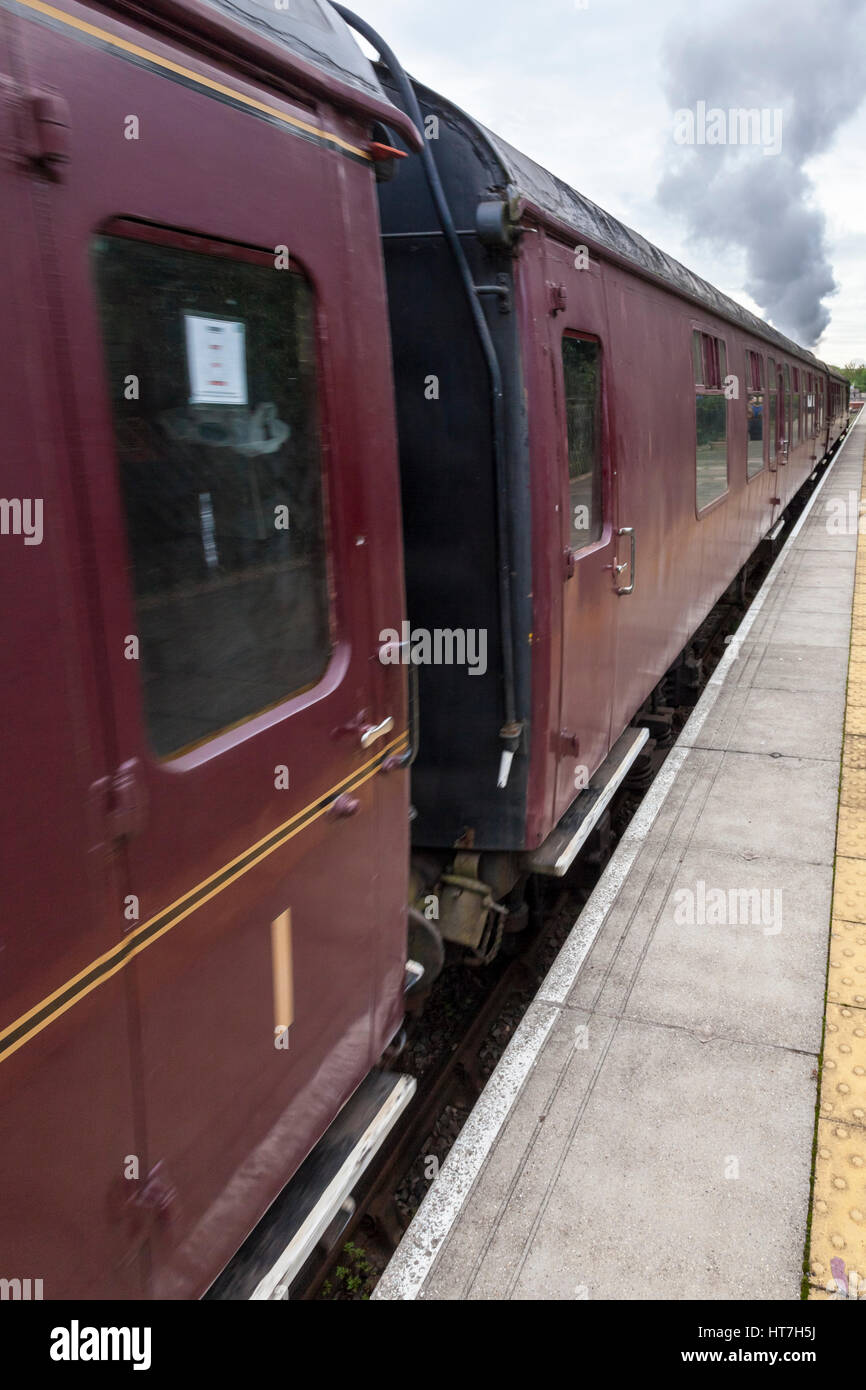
[[556, 199], [311, 31], [304, 43]]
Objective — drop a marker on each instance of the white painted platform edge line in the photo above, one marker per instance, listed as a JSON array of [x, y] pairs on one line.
[[414, 1256]]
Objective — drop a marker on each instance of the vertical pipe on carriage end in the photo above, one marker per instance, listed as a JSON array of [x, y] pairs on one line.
[[512, 727]]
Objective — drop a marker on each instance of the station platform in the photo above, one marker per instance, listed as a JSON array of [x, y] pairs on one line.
[[650, 1131]]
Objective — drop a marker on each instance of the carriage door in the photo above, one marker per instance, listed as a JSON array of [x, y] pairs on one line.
[[577, 336], [777, 433], [226, 476]]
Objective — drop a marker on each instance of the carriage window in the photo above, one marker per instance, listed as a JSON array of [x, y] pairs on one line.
[[581, 365], [711, 418], [212, 374], [754, 414]]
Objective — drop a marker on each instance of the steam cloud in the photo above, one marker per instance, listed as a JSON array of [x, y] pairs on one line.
[[808, 59]]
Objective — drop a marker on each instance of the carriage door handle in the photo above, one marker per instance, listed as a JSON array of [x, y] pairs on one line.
[[618, 569], [370, 733]]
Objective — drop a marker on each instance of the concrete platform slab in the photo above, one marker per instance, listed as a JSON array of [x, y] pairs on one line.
[[793, 666], [777, 722], [738, 950], [817, 538], [771, 807], [813, 629], [672, 1158]]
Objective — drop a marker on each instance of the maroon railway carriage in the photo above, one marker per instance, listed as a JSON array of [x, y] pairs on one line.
[[205, 830], [205, 810], [654, 432]]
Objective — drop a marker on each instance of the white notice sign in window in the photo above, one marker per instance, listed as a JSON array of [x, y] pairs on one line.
[[217, 357]]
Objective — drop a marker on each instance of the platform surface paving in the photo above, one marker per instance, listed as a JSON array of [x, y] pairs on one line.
[[649, 1131]]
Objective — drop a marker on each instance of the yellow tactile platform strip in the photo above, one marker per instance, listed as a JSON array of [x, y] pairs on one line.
[[837, 1245]]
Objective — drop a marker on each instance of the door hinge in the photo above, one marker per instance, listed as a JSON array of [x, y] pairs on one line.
[[557, 298], [568, 563], [122, 801]]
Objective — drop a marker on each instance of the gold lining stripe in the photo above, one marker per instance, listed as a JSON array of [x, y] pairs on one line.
[[126, 950], [355, 779], [104, 35]]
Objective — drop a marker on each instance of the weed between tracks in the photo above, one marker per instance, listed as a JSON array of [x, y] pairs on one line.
[[354, 1277]]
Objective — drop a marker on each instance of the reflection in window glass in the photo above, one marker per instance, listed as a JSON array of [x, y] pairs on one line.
[[712, 447], [754, 433], [711, 458], [219, 457], [754, 413], [581, 366]]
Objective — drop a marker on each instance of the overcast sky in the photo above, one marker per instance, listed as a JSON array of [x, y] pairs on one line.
[[589, 90]]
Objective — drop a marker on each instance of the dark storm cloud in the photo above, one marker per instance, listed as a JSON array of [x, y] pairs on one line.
[[807, 60]]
